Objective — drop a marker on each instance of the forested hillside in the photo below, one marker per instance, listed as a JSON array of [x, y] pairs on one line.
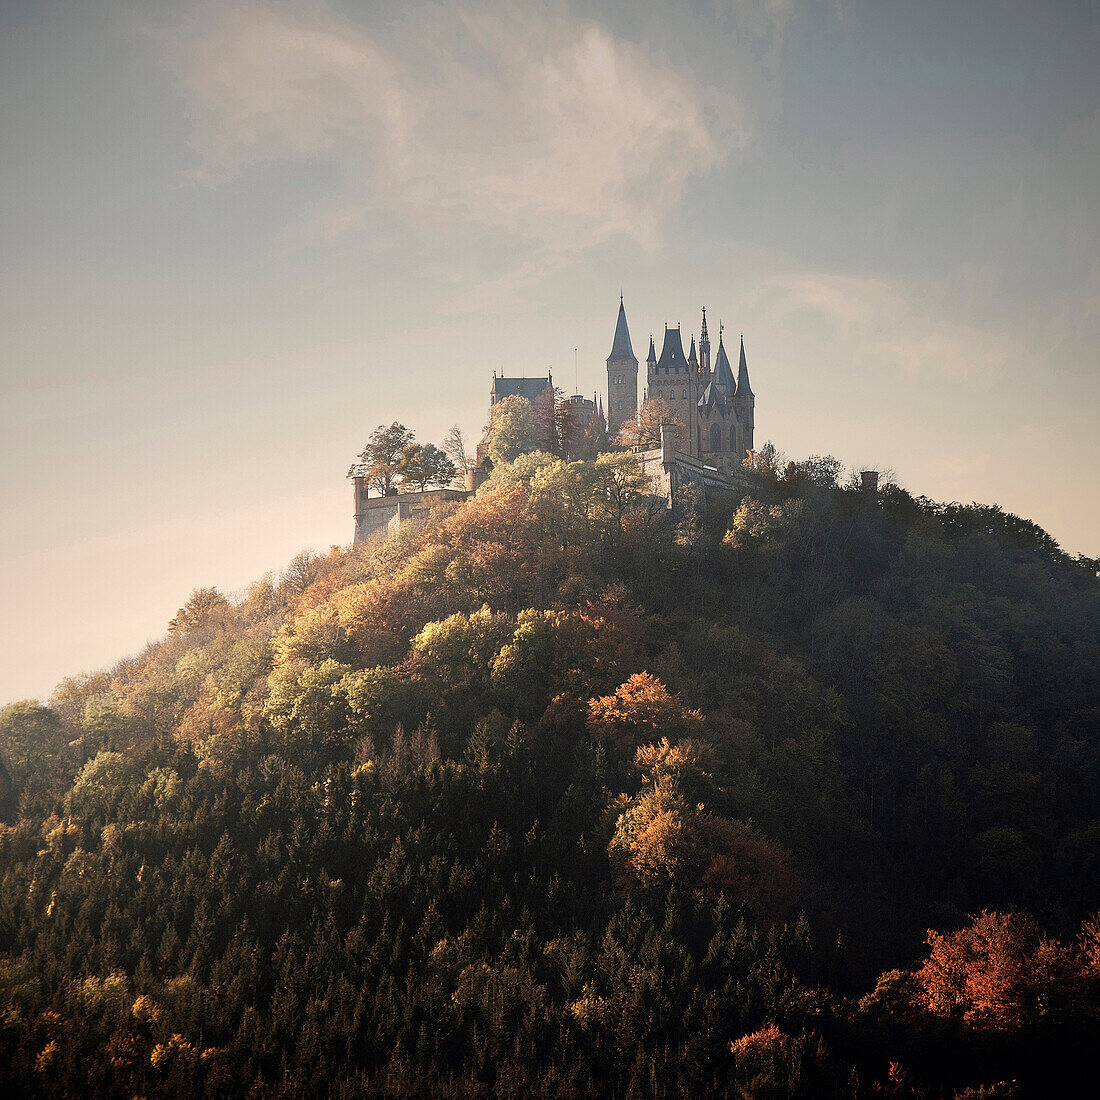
[[563, 794]]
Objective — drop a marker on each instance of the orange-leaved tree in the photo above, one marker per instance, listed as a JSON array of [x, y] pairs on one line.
[[641, 710]]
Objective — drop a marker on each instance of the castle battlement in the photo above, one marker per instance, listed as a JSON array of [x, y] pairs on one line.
[[381, 513]]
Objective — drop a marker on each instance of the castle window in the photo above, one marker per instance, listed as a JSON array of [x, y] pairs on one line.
[[715, 437], [660, 393], [684, 395]]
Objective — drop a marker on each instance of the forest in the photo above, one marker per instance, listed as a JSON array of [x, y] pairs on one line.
[[564, 793]]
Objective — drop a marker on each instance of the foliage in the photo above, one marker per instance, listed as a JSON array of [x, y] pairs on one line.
[[564, 794], [422, 465], [512, 431], [383, 453], [645, 431]]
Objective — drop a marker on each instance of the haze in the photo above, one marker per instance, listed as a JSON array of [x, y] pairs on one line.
[[236, 237]]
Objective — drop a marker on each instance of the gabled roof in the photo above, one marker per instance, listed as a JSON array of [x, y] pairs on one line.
[[743, 387], [672, 354], [517, 387], [620, 347], [723, 372]]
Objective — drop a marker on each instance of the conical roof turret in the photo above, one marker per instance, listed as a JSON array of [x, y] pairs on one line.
[[743, 387], [620, 347], [652, 351], [723, 372], [693, 359]]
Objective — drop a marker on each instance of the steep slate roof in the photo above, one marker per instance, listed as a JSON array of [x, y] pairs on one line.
[[711, 396], [693, 359], [743, 388], [652, 351], [518, 387], [672, 354], [723, 372], [620, 348]]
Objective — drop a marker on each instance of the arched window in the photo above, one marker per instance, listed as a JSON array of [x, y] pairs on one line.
[[715, 437], [660, 394], [684, 395], [733, 440]]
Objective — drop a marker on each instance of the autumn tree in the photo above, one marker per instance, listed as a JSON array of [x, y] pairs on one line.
[[383, 453], [641, 710], [645, 431], [205, 607], [1000, 973]]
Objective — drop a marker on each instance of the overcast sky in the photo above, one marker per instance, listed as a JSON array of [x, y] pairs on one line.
[[236, 237]]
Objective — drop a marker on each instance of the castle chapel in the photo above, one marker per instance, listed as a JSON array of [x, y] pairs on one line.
[[716, 408]]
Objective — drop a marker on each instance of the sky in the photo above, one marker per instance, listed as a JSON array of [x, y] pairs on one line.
[[236, 237]]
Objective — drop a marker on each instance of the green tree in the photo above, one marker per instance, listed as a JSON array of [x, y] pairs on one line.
[[424, 465], [31, 742], [100, 787], [383, 453], [512, 430]]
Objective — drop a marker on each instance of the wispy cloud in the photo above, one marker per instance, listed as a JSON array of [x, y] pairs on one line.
[[889, 323], [535, 124]]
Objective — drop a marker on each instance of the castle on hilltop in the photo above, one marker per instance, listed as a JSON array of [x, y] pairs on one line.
[[716, 409]]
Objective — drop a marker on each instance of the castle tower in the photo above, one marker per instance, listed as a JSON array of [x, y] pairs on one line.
[[673, 379], [685, 408], [746, 401], [622, 377]]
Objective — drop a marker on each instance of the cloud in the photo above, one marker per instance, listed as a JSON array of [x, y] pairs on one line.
[[887, 323], [534, 124]]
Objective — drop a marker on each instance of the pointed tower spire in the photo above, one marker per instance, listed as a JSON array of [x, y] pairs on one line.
[[693, 359], [622, 375], [743, 386], [620, 347], [652, 351]]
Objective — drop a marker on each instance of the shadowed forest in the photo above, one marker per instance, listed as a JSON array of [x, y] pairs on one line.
[[564, 794]]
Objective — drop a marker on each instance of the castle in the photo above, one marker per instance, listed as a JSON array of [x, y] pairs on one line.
[[716, 409], [715, 412]]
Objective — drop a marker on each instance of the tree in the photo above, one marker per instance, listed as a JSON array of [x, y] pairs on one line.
[[641, 710], [645, 432], [454, 446], [101, 786], [548, 413], [424, 465], [31, 741], [512, 430], [206, 607], [621, 485], [383, 453]]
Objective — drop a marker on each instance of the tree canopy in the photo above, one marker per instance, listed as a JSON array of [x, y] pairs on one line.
[[566, 793]]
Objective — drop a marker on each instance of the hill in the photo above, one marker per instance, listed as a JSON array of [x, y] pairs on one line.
[[564, 794]]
